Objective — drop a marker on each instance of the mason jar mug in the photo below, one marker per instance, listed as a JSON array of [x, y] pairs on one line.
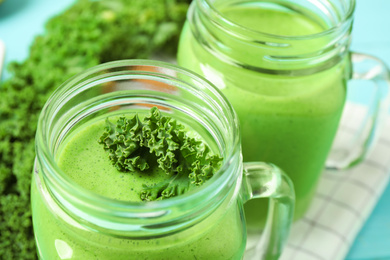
[[82, 212], [284, 65]]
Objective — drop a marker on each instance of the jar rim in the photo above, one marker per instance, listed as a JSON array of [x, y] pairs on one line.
[[209, 9], [140, 209]]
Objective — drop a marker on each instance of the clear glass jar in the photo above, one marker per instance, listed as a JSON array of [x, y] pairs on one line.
[[284, 66], [72, 222]]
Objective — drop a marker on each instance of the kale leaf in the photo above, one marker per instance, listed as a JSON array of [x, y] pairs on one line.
[[159, 141]]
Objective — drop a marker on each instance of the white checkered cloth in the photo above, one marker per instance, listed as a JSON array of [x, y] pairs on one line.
[[343, 202]]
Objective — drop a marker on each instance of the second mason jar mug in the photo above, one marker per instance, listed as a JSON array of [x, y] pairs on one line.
[[284, 65], [81, 205]]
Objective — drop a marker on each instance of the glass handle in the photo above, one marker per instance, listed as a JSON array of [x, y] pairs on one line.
[[367, 104], [262, 180]]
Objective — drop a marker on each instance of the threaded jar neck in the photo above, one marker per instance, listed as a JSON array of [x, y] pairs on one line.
[[215, 25], [115, 87]]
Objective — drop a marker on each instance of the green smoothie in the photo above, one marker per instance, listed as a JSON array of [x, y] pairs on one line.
[[82, 158], [286, 119]]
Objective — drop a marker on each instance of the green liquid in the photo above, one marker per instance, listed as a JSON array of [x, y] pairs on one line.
[[219, 236], [290, 121]]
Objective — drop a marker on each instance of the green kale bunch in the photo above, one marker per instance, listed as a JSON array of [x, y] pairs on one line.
[[85, 35], [159, 141]]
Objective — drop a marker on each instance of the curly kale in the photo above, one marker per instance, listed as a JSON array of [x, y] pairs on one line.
[[159, 141], [88, 33]]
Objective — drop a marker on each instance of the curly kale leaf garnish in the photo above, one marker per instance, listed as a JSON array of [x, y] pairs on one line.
[[159, 141]]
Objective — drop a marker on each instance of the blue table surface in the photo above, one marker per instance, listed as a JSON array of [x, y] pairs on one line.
[[21, 20]]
